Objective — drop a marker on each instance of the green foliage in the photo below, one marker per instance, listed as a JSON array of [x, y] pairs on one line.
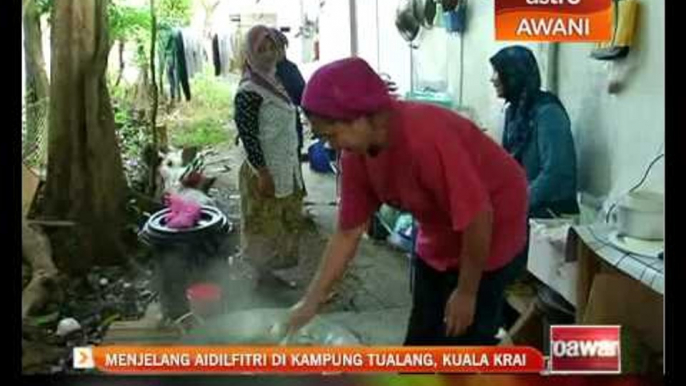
[[174, 12], [127, 22], [203, 131], [208, 118], [134, 23], [44, 6], [133, 133]]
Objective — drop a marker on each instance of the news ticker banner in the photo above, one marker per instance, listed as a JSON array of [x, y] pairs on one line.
[[573, 350], [554, 20], [317, 360]]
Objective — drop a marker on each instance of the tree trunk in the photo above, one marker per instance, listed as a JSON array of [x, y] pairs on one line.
[[36, 250], [85, 181], [142, 89], [153, 112], [25, 4], [36, 77], [121, 62]]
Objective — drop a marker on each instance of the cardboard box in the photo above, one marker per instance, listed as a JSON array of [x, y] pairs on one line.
[[547, 256]]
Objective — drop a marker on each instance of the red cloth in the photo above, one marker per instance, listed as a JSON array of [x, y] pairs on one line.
[[442, 169], [183, 214], [345, 90], [193, 180]]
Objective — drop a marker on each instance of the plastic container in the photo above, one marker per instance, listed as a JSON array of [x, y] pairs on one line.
[[205, 300], [456, 20], [321, 158], [438, 98], [641, 215]]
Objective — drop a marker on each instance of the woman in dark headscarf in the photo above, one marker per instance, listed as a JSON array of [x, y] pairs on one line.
[[290, 76], [537, 133]]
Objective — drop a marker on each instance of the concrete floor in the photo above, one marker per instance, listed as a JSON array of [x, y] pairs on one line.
[[373, 300], [383, 299]]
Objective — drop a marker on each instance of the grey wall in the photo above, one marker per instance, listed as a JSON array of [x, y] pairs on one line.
[[617, 135]]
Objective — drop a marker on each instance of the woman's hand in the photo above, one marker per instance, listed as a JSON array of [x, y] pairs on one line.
[[301, 314], [265, 183], [459, 312]]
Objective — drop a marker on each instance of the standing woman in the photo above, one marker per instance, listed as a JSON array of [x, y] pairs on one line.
[[292, 79], [270, 181]]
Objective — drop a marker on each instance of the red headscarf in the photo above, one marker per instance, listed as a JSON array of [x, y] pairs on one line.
[[345, 90]]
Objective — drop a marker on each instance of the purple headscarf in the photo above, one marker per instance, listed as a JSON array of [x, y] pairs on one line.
[[346, 90], [259, 69]]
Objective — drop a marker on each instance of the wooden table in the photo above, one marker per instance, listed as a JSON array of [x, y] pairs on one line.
[[615, 287]]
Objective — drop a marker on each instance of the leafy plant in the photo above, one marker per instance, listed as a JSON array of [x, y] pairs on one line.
[[133, 135], [174, 12], [207, 119], [127, 22]]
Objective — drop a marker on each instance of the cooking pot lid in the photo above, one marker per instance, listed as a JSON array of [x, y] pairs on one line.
[[406, 22]]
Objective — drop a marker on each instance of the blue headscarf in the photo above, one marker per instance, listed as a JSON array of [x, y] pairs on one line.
[[518, 72]]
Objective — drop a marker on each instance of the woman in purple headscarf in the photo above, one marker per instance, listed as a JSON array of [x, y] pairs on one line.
[[270, 181]]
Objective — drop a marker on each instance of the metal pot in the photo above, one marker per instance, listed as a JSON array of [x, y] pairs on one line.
[[641, 215], [406, 22], [424, 12]]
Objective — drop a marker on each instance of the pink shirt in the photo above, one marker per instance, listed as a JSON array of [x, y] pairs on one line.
[[441, 168]]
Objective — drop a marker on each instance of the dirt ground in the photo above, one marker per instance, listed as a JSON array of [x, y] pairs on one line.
[[372, 300]]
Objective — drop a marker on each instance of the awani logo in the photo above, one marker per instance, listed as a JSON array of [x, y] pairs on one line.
[[585, 350], [553, 20]]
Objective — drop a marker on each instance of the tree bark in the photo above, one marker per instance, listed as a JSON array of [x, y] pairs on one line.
[[36, 77], [36, 250], [121, 62], [85, 180], [155, 99]]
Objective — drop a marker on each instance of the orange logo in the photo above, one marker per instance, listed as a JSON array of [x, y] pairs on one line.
[[83, 358], [553, 20]]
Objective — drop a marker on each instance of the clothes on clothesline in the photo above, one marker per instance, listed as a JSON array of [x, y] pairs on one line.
[[195, 51], [182, 57], [176, 65], [222, 52]]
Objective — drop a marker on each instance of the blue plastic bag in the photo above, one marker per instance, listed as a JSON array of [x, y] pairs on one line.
[[321, 158]]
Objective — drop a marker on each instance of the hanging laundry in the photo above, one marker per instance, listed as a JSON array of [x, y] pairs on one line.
[[222, 51], [216, 57], [176, 66], [226, 51], [195, 52]]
